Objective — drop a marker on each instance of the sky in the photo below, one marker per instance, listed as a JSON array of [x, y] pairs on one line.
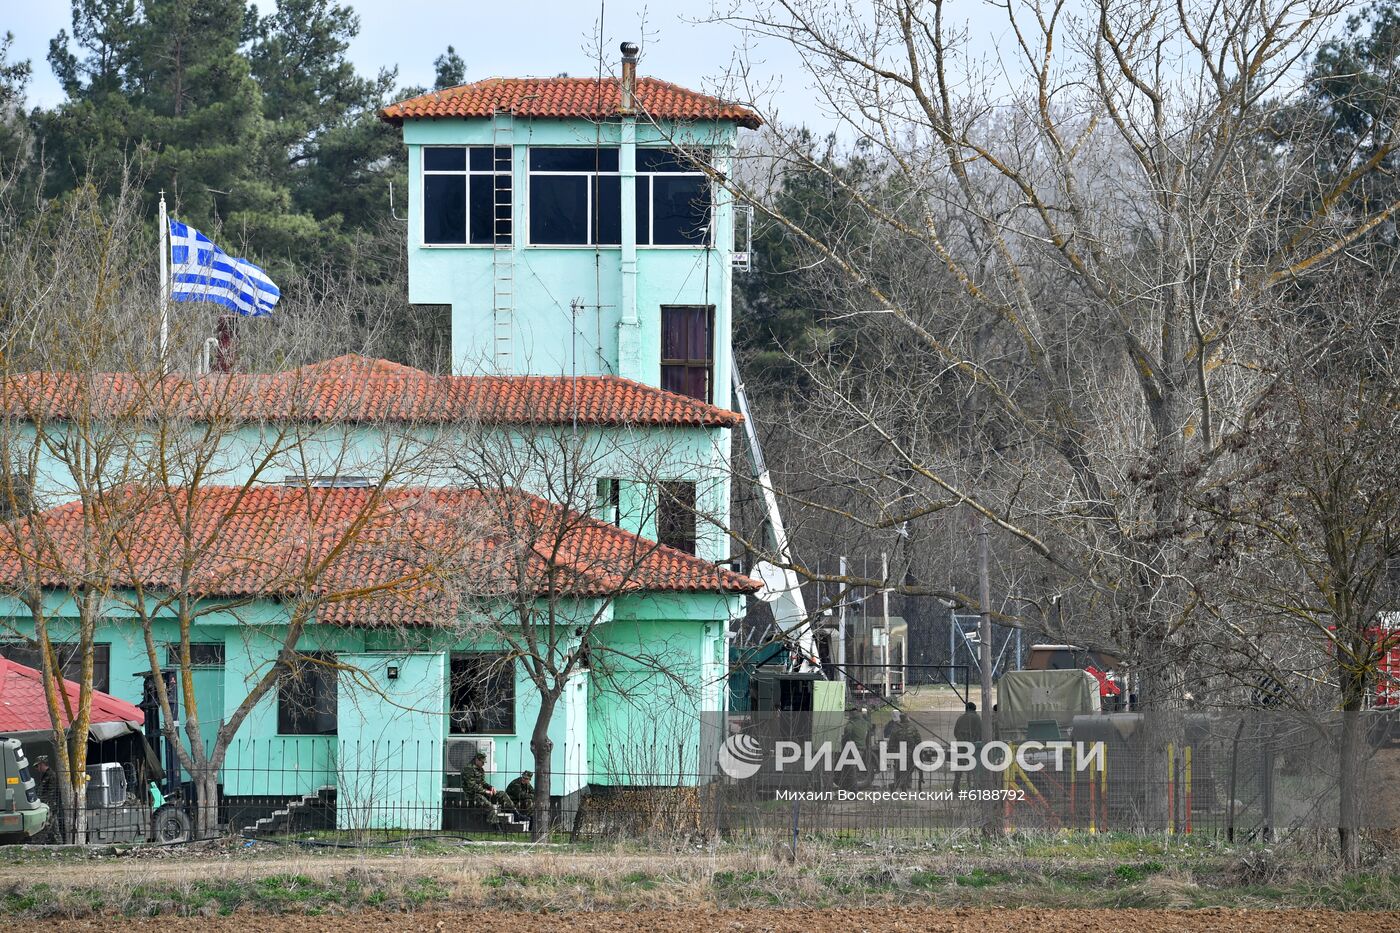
[[548, 37], [518, 37]]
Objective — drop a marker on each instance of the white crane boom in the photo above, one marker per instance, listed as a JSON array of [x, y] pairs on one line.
[[784, 589]]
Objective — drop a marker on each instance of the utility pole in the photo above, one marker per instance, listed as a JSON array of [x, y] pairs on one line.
[[841, 625], [984, 647]]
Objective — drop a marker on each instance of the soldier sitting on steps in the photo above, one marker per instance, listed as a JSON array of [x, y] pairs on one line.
[[475, 791], [521, 793]]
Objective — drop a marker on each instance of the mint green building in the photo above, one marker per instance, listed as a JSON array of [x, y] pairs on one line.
[[576, 231]]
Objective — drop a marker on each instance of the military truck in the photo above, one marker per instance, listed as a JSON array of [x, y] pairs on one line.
[[22, 814], [1049, 699]]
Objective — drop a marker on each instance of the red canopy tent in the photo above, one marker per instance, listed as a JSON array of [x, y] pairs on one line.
[[23, 709]]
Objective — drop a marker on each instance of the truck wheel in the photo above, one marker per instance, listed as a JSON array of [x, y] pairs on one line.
[[171, 824]]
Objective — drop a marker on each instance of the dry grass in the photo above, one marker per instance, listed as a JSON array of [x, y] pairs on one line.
[[963, 871]]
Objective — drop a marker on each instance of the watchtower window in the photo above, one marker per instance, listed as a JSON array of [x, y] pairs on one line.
[[575, 196], [467, 196], [673, 198]]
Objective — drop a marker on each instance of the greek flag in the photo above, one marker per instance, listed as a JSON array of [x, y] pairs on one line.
[[200, 271]]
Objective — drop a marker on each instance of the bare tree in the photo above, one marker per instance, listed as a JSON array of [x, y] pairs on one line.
[[547, 590], [1063, 260], [1305, 530], [70, 281]]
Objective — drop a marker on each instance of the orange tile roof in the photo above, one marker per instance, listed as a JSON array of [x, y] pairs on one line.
[[403, 556], [358, 389], [584, 98]]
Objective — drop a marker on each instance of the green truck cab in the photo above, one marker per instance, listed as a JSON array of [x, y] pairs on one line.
[[22, 813]]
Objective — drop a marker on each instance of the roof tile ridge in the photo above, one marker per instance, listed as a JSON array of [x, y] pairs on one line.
[[688, 400]]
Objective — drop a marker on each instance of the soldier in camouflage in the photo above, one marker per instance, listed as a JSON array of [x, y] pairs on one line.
[[475, 790], [521, 793]]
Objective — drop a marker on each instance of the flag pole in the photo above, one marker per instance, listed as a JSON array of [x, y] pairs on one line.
[[164, 284]]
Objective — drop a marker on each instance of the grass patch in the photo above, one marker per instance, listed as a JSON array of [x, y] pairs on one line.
[[1135, 873], [981, 878]]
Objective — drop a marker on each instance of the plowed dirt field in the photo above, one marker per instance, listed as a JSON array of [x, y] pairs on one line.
[[894, 920]]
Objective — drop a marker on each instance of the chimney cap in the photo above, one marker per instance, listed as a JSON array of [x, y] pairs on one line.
[[630, 50]]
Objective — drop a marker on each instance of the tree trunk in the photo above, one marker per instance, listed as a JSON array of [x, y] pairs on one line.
[[1352, 739], [1348, 831], [1161, 735], [542, 748], [206, 817]]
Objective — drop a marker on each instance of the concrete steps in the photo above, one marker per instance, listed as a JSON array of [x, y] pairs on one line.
[[280, 820]]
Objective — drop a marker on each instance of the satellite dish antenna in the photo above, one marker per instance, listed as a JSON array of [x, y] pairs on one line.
[[773, 579]]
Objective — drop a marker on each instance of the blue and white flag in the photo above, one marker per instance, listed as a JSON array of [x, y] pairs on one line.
[[200, 271]]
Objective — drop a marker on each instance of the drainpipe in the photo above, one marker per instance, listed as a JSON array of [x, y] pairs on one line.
[[629, 337]]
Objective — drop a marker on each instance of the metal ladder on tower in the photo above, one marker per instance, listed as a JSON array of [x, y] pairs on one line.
[[503, 238]]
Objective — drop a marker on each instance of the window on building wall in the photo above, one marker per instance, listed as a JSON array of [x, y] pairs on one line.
[[202, 654], [70, 660], [467, 195], [675, 515], [483, 694], [687, 350], [306, 696], [673, 199], [609, 500], [575, 196]]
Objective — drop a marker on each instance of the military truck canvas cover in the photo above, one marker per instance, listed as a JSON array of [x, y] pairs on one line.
[[1025, 696]]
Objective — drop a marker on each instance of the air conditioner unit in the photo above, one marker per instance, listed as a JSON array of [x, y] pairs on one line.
[[458, 753], [106, 785]]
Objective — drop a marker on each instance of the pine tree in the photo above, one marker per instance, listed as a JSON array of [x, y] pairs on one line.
[[14, 77], [168, 90], [450, 70], [325, 145]]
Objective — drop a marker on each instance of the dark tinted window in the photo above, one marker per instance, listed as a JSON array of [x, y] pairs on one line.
[[559, 209], [675, 515], [483, 694], [491, 208], [607, 210], [467, 195], [306, 696], [209, 654], [681, 210], [444, 209], [482, 159], [70, 661], [643, 210], [666, 160], [444, 159], [574, 159]]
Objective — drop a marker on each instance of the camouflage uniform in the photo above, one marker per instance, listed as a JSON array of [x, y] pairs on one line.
[[475, 791], [900, 730], [968, 728], [857, 733], [522, 795]]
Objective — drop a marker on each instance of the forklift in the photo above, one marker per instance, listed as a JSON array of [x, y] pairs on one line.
[[141, 798]]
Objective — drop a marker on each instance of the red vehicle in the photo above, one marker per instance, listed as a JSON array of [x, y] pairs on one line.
[[1102, 665], [1385, 699], [1387, 694]]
